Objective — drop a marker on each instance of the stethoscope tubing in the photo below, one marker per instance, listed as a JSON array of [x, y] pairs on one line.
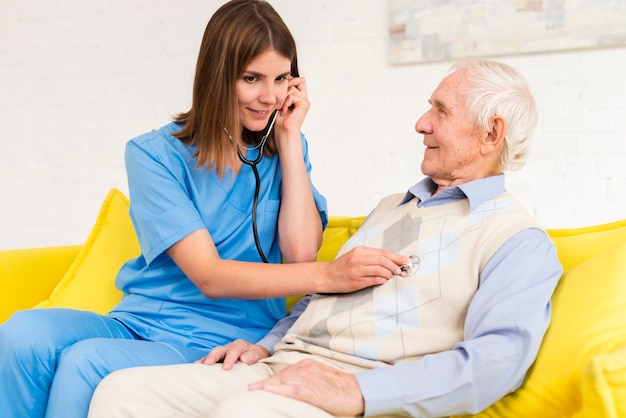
[[257, 178]]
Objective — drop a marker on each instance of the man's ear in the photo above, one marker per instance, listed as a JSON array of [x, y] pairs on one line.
[[495, 137]]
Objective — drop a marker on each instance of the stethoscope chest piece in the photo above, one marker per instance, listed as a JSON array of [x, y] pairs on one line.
[[411, 267]]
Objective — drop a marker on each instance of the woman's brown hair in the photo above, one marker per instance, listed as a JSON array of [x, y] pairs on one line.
[[238, 32]]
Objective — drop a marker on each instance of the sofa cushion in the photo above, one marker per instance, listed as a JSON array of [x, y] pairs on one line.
[[588, 319], [575, 245], [89, 282]]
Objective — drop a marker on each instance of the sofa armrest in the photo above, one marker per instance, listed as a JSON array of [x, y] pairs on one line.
[[27, 276], [604, 385]]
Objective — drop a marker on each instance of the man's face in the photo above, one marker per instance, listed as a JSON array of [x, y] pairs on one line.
[[453, 144]]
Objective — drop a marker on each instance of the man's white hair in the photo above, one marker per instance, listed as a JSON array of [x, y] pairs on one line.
[[494, 89]]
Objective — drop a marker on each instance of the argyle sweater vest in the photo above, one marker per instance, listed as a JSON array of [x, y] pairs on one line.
[[408, 317]]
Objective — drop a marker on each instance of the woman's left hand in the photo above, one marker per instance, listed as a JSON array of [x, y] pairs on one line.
[[294, 109]]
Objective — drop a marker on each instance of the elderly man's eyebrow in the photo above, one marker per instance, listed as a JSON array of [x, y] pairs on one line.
[[438, 104]]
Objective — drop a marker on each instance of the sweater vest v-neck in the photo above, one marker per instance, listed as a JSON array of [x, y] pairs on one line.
[[410, 316]]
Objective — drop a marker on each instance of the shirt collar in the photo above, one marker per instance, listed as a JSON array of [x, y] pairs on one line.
[[477, 191]]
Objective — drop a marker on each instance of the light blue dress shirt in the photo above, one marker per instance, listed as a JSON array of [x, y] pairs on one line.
[[504, 327]]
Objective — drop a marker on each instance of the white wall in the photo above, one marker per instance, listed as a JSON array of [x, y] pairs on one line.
[[79, 78]]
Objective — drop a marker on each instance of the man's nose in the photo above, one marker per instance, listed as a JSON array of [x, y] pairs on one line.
[[422, 126]]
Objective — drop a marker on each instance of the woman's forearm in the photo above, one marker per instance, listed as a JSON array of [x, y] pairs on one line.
[[361, 267], [299, 223]]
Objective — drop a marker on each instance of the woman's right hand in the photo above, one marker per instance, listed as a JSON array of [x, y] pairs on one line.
[[357, 269], [238, 350], [362, 267]]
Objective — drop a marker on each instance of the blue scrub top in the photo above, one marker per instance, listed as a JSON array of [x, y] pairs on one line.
[[170, 198]]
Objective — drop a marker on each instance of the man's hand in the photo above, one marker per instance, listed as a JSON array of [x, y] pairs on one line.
[[238, 350], [332, 390]]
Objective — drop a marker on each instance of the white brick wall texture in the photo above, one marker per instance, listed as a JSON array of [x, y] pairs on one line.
[[79, 78]]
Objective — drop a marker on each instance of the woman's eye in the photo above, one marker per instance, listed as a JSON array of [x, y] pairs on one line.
[[249, 78]]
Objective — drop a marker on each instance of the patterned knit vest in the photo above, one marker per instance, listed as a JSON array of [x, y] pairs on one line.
[[408, 317]]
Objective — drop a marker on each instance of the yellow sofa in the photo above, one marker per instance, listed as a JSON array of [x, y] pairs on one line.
[[580, 370]]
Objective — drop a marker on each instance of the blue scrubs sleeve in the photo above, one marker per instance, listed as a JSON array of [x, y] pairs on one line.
[[161, 209]]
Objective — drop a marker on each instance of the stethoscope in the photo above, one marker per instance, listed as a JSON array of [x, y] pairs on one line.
[[257, 178], [405, 270], [411, 267]]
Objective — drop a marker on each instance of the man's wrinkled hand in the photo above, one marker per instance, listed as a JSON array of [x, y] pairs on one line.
[[238, 350], [332, 390]]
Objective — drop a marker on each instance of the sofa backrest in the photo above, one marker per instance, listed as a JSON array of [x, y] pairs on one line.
[[89, 283]]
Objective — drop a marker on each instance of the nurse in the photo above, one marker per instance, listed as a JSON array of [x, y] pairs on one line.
[[200, 281]]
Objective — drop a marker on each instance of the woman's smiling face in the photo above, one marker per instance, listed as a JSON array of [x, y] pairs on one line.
[[262, 88]]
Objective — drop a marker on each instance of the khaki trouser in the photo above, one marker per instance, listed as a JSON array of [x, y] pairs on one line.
[[195, 390]]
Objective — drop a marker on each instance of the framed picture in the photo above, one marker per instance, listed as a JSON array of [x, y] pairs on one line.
[[439, 30]]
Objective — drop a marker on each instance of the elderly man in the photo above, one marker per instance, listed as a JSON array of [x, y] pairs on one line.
[[456, 331]]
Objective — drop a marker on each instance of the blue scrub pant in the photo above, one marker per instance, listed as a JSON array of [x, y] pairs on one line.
[[51, 360]]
